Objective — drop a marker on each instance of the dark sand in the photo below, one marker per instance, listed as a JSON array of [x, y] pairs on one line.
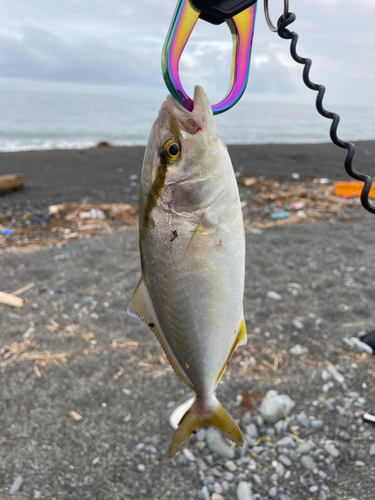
[[102, 175], [91, 281]]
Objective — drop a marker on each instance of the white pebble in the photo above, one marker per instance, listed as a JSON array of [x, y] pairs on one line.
[[244, 491], [16, 485]]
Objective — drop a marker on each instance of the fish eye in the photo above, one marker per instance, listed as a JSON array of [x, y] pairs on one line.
[[171, 150]]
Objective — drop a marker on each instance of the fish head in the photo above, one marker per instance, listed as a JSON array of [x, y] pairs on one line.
[[186, 151]]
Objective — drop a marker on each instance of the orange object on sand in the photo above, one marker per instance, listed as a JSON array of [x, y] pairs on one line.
[[349, 189]]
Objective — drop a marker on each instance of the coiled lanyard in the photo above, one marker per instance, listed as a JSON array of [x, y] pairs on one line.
[[240, 17]]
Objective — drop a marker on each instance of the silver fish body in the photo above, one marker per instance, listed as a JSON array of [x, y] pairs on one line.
[[192, 254]]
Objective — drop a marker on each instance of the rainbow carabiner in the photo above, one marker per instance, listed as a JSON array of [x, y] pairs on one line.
[[183, 22]]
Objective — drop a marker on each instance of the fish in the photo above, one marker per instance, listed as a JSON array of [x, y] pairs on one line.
[[192, 248]]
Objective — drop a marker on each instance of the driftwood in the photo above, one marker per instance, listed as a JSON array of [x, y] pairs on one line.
[[10, 300], [11, 182]]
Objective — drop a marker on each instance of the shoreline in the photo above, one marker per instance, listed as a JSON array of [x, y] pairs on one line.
[[111, 174]]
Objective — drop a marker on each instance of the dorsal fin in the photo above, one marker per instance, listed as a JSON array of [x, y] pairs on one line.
[[141, 307]]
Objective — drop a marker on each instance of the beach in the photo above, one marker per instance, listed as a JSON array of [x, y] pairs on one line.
[[103, 174], [86, 392]]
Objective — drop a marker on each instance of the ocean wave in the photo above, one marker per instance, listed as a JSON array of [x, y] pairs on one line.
[[39, 145]]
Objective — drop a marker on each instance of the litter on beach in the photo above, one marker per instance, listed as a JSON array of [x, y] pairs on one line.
[[350, 189]]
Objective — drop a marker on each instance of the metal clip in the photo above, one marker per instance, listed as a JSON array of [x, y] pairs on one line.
[[183, 22]]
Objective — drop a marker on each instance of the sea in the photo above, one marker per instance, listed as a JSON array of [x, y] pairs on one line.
[[43, 116]]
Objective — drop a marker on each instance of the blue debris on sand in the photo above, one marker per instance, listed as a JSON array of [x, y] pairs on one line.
[[279, 215], [6, 232]]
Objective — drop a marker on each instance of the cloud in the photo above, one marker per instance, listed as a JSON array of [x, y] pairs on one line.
[[39, 54], [112, 42]]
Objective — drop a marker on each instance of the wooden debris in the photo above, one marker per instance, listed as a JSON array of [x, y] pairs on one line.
[[77, 417], [121, 344], [141, 422], [10, 300], [36, 371], [13, 352], [23, 289], [11, 182], [95, 461], [45, 356], [119, 373]]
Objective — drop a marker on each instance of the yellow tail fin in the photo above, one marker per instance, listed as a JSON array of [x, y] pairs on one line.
[[192, 420]]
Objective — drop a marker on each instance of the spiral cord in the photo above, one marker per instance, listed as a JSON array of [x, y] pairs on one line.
[[283, 22]]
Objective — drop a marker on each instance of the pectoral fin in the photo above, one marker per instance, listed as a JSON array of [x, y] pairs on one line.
[[201, 237], [141, 307]]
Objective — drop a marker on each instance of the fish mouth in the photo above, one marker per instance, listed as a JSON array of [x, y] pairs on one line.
[[200, 119]]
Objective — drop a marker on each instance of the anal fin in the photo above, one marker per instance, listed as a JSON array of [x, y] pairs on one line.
[[241, 339], [141, 307]]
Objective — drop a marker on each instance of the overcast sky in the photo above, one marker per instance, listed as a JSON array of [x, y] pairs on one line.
[[113, 42]]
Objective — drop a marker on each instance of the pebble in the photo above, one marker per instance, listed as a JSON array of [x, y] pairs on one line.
[[297, 323], [37, 494], [336, 374], [201, 464], [272, 492], [273, 295], [231, 466], [285, 460], [216, 496], [331, 449], [284, 497], [318, 425], [257, 479], [272, 404], [358, 463], [372, 450], [308, 462], [313, 489], [280, 426], [218, 488], [16, 485], [296, 351], [188, 455], [303, 420], [326, 376], [252, 431], [244, 491], [286, 442], [304, 447], [280, 470], [204, 494], [322, 495], [217, 444], [348, 342], [345, 436], [201, 434], [362, 347], [181, 460], [327, 387], [141, 468]]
